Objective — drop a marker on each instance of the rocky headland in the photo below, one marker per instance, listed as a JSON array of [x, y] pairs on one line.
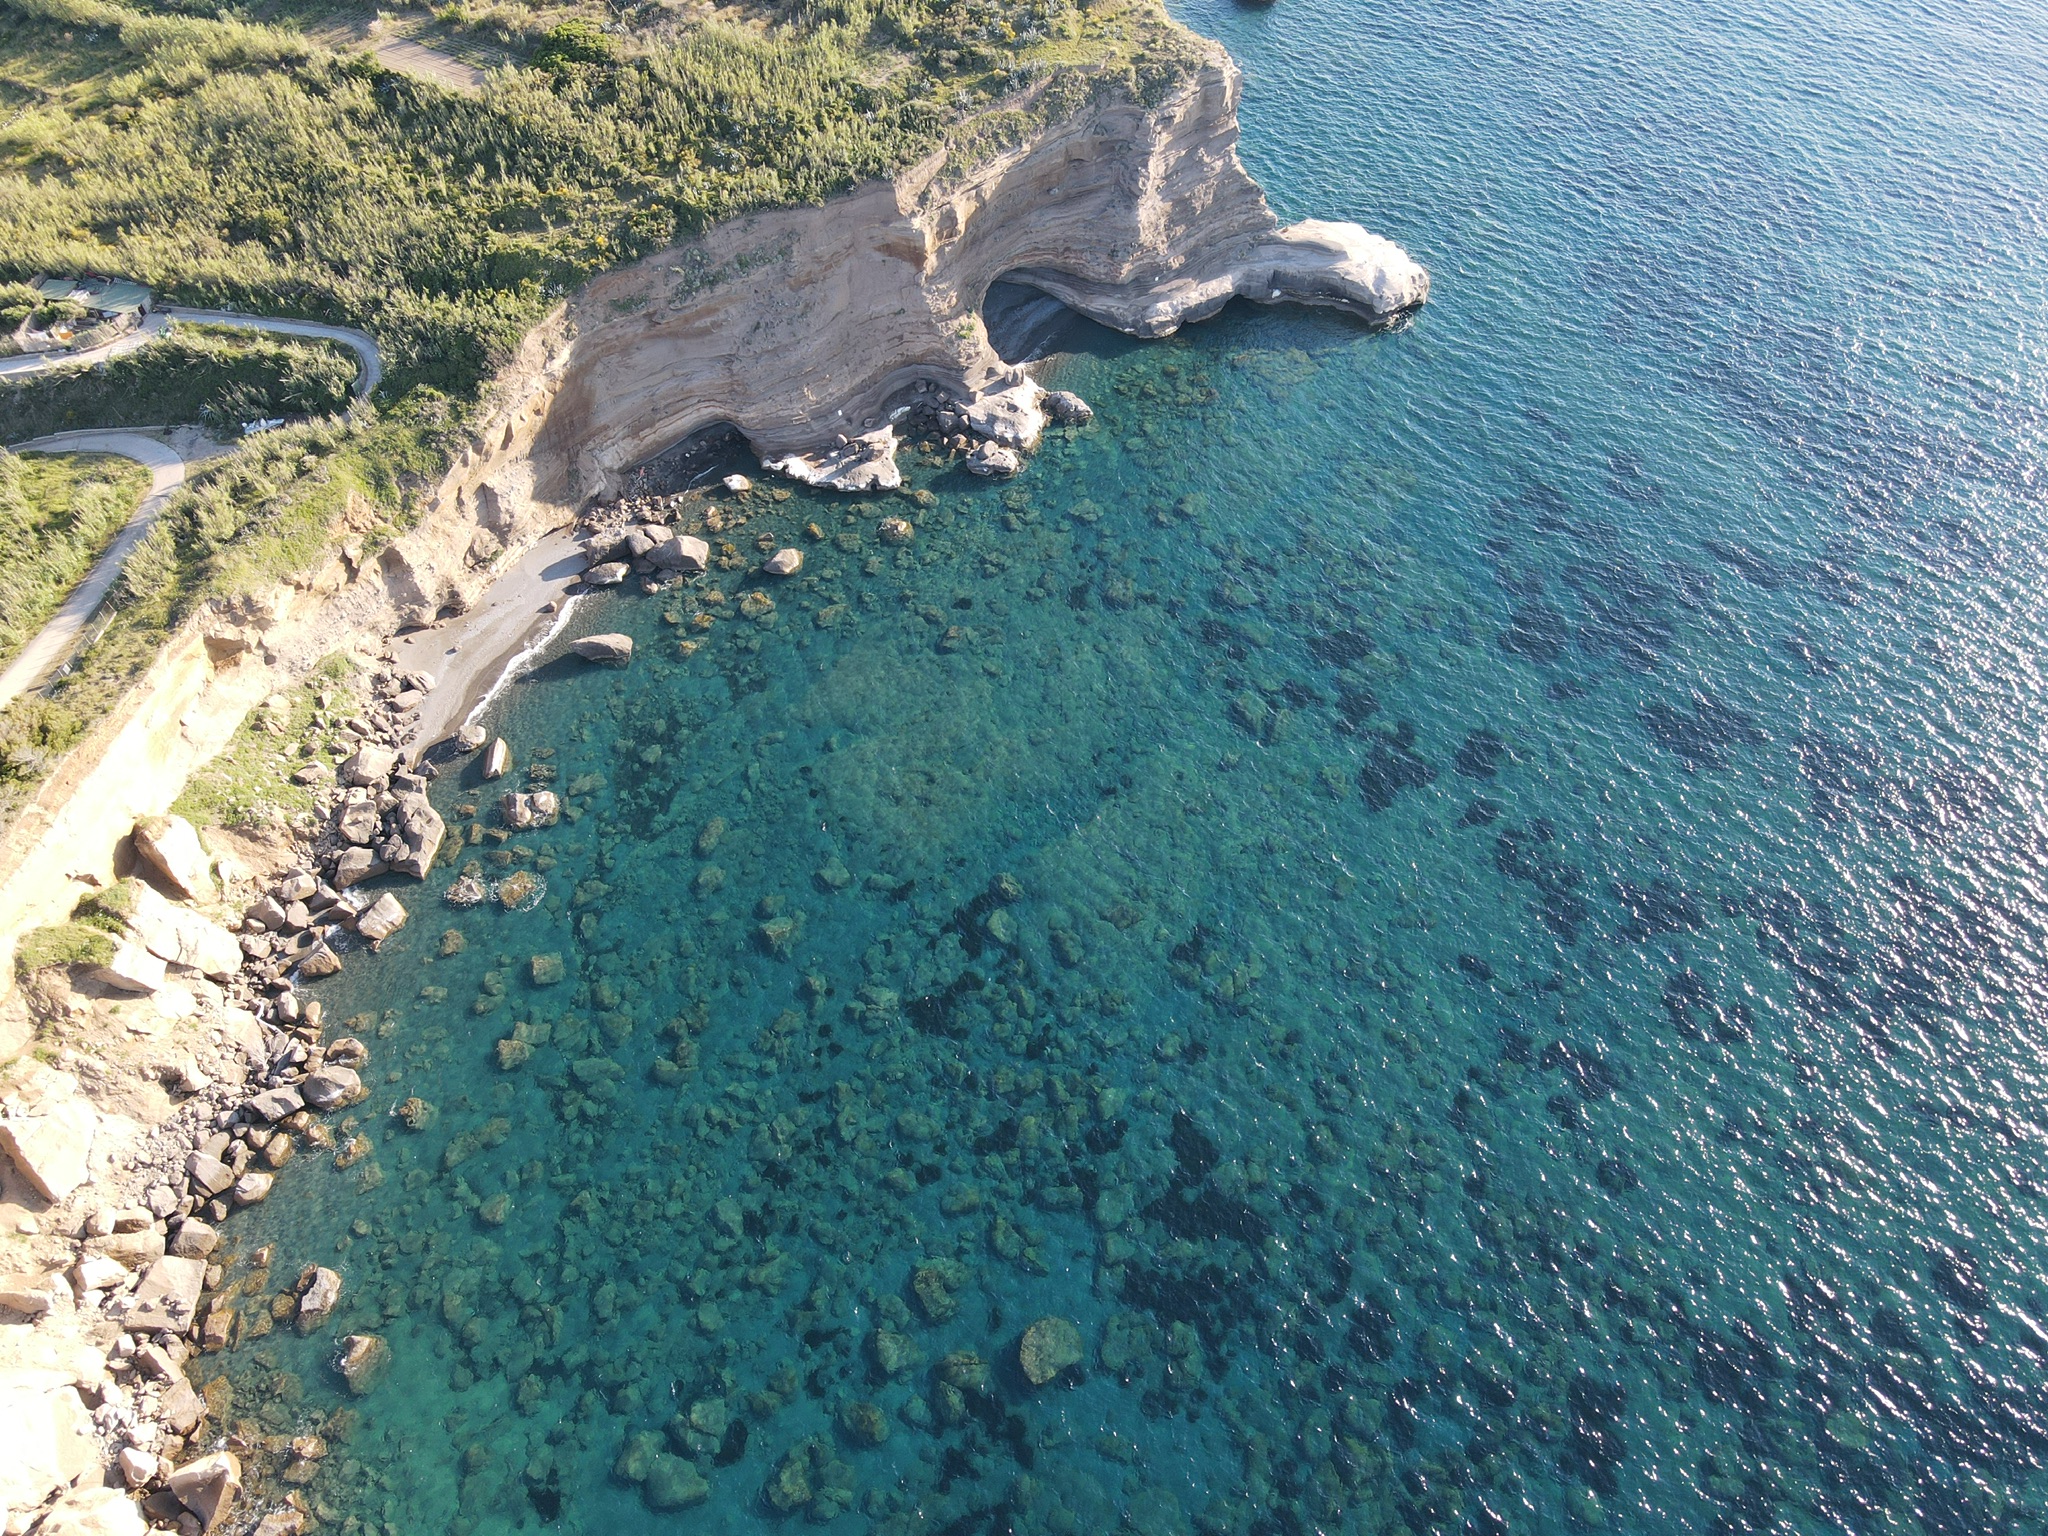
[[192, 1064]]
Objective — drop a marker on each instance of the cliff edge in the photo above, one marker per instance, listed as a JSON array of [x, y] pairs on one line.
[[803, 327]]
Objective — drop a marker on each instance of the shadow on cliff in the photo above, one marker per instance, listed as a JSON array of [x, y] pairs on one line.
[[1025, 324]]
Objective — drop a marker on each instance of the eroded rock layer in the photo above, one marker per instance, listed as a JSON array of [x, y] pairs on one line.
[[803, 326]]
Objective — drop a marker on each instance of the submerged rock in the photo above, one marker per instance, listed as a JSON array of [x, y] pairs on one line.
[[895, 530], [1068, 408], [990, 460], [1049, 1346], [363, 1361]]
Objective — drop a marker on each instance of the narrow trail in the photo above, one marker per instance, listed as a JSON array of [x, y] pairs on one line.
[[54, 642]]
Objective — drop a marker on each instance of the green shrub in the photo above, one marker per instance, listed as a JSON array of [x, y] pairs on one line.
[[62, 944]]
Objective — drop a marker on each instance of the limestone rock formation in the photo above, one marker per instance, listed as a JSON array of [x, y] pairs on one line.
[[170, 847], [52, 1147], [804, 327], [611, 650]]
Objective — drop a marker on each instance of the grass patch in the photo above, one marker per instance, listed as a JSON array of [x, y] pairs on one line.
[[196, 376], [249, 784], [58, 511], [71, 943]]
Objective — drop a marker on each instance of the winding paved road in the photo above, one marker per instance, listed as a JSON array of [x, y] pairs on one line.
[[369, 370], [54, 642]]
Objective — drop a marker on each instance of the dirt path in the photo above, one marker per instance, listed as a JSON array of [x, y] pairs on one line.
[[55, 641]]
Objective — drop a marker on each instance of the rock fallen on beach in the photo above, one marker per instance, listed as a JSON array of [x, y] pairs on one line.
[[319, 1294], [1068, 408], [319, 961], [609, 650], [355, 866], [273, 1104], [133, 969], [94, 1512], [170, 847], [609, 574], [167, 1300], [990, 460], [371, 765], [416, 824], [385, 916], [498, 759], [364, 1359], [784, 562], [469, 738], [689, 555], [208, 1487], [52, 1148], [332, 1088]]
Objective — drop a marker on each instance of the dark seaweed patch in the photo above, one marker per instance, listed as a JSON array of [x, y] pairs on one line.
[[1659, 907], [1704, 735], [1341, 647], [1596, 1448], [1479, 757], [1530, 854], [1355, 704], [1482, 812], [1536, 632], [1391, 766]]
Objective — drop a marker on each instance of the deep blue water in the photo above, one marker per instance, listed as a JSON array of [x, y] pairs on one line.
[[1518, 995]]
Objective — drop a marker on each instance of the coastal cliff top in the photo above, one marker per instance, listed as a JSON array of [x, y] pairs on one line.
[[442, 179]]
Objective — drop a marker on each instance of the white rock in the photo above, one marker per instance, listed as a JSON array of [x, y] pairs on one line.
[[49, 1436], [989, 460], [737, 483], [137, 1465], [168, 1297], [170, 846], [208, 1486], [384, 918], [332, 1088], [784, 562], [469, 738], [98, 1273], [52, 1148], [95, 1512], [179, 934], [369, 765], [688, 554], [133, 969], [1013, 417], [498, 759], [320, 1297], [35, 1293], [866, 463], [608, 574], [613, 650], [1322, 262]]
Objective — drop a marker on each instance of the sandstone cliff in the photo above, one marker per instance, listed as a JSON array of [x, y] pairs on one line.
[[802, 327]]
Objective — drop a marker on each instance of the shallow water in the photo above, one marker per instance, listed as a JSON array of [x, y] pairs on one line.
[[1520, 1002]]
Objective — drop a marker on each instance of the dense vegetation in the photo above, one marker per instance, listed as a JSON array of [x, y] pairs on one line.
[[57, 512], [225, 160], [228, 162], [195, 375]]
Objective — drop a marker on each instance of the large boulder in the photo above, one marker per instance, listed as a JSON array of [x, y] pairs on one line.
[[541, 808], [49, 1437], [419, 826], [1049, 1346], [384, 917], [170, 847], [784, 562], [208, 1487], [174, 933], [370, 765], [498, 759], [332, 1088], [363, 1360], [611, 650], [318, 1298], [689, 555], [94, 1512], [52, 1147], [133, 969], [168, 1297]]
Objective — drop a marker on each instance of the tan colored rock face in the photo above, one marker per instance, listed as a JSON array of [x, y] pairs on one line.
[[802, 326]]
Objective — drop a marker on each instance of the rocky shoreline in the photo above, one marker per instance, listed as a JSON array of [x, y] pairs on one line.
[[119, 1276]]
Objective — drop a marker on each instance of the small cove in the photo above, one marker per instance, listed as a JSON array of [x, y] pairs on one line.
[[1464, 901]]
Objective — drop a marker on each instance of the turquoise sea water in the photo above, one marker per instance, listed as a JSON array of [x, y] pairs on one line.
[[1466, 903]]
